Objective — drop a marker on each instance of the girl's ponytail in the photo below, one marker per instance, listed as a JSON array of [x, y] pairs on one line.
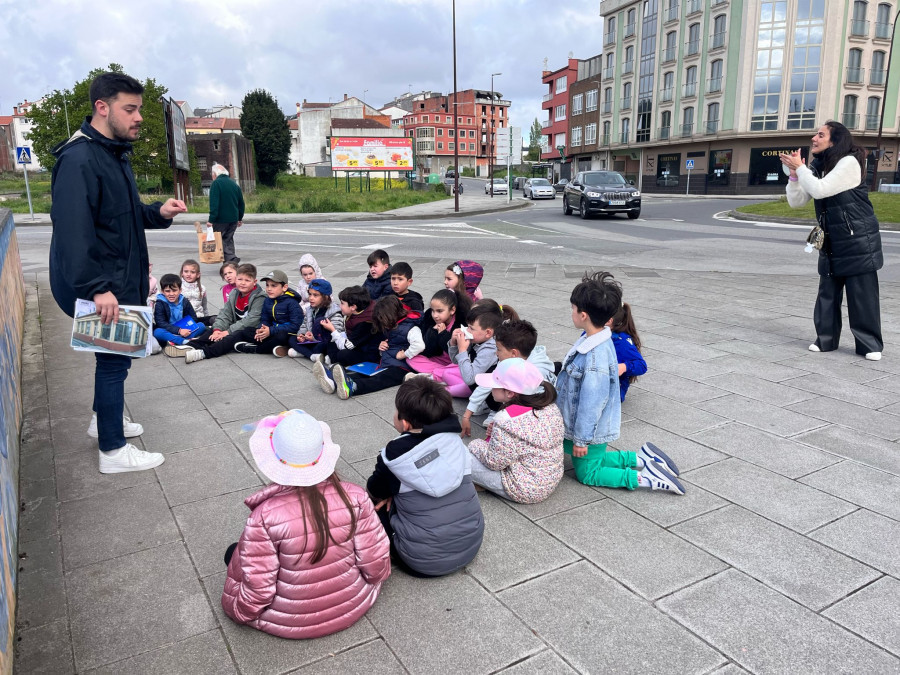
[[538, 401]]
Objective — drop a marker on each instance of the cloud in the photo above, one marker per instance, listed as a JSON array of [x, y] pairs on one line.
[[215, 51]]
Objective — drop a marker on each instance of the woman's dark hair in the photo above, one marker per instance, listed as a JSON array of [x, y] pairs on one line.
[[388, 311], [490, 314], [537, 401], [311, 497], [460, 302], [841, 145], [623, 322], [356, 296], [107, 86]]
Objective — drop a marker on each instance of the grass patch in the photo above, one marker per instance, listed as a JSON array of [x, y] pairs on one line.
[[887, 208]]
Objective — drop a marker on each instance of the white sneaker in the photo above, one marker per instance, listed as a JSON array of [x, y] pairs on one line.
[[280, 352], [656, 477], [129, 428], [321, 374], [814, 347], [314, 357], [129, 458], [293, 353], [177, 351], [194, 355], [874, 356], [155, 348]]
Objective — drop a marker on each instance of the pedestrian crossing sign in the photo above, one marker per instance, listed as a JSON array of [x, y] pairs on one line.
[[689, 164], [23, 155]]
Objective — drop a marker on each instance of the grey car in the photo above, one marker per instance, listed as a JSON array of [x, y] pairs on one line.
[[538, 188]]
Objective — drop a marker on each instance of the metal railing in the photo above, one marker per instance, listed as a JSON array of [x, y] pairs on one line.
[[859, 28], [609, 73], [872, 122], [694, 6], [855, 75], [718, 40], [877, 78], [609, 38], [850, 120], [663, 133], [665, 95], [883, 31], [692, 47], [712, 126], [625, 103], [629, 30], [547, 97], [690, 89], [668, 54], [687, 130], [627, 67], [714, 85], [604, 139], [545, 124], [606, 107], [671, 14], [623, 137]]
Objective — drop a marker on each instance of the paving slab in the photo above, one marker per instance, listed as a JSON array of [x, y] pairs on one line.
[[199, 473], [78, 477], [361, 437], [157, 600], [802, 569], [677, 388], [371, 657], [676, 417], [567, 495], [444, 614], [69, 434], [545, 663], [757, 627], [783, 456], [202, 380], [679, 365], [41, 599], [831, 367], [41, 555], [324, 408], [638, 553], [872, 613], [686, 453], [762, 352], [114, 524], [881, 424], [759, 389], [863, 448], [866, 536], [193, 430], [38, 520], [46, 650], [850, 392], [666, 512], [770, 495], [258, 653], [775, 420], [158, 403], [161, 376], [586, 617], [204, 654], [235, 404], [874, 490], [514, 548]]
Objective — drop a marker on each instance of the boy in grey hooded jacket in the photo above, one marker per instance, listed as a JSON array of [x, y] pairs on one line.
[[422, 485]]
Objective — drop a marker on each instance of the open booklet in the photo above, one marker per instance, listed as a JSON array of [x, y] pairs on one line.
[[131, 335], [366, 368]]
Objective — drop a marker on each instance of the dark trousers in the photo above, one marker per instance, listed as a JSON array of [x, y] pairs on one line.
[[863, 310], [109, 399], [227, 230], [350, 357], [212, 348], [307, 350], [391, 377], [396, 560]]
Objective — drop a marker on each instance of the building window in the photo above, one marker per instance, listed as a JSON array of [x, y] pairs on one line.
[[646, 72], [712, 118], [769, 65], [576, 136], [667, 93], [626, 129], [610, 36], [471, 147], [440, 131], [854, 67], [562, 83], [876, 74], [424, 146], [440, 146], [560, 112], [715, 76], [850, 117], [808, 43], [718, 37], [625, 103], [425, 132], [558, 140], [687, 122], [425, 118], [859, 27], [468, 120], [471, 133], [690, 82], [883, 22], [451, 132], [610, 70], [606, 132], [201, 163], [665, 125], [590, 133], [448, 119], [629, 22], [577, 104], [451, 146], [693, 41], [873, 110], [215, 145], [591, 102], [628, 65], [671, 46]]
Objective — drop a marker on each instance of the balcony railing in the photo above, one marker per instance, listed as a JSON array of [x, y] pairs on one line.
[[859, 28], [625, 103], [855, 75], [547, 97], [606, 107], [690, 89], [609, 73], [718, 40], [609, 38], [692, 47], [872, 122], [627, 67], [604, 139], [687, 130], [850, 120], [545, 124], [629, 30], [714, 85], [716, 3], [694, 6], [623, 137], [882, 31], [672, 13], [665, 95], [663, 133], [712, 126], [876, 78], [668, 54]]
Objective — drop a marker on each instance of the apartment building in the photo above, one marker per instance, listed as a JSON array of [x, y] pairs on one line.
[[556, 126], [587, 148], [729, 84]]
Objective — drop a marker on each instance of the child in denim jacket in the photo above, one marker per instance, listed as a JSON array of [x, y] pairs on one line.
[[589, 401]]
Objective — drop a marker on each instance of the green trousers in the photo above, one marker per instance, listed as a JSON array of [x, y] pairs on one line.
[[604, 468]]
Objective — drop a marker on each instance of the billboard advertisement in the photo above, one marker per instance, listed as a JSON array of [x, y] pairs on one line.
[[350, 153], [179, 138]]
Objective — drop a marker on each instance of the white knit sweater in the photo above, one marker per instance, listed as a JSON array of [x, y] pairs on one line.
[[845, 175]]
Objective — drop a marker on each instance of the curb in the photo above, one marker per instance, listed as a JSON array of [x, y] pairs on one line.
[[756, 217]]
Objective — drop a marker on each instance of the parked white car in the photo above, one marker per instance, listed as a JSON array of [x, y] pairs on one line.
[[500, 187]]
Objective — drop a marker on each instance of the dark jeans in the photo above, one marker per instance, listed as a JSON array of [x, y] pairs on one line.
[[214, 349], [863, 312], [396, 560], [109, 399], [391, 377], [350, 357], [227, 230]]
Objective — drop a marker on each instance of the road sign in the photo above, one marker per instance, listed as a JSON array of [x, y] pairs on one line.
[[508, 145], [23, 155], [689, 164]]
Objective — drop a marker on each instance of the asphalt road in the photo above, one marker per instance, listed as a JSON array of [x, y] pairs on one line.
[[672, 233]]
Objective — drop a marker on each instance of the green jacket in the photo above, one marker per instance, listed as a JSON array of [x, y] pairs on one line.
[[226, 201], [228, 317]]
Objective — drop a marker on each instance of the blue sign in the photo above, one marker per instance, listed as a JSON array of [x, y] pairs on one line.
[[689, 164], [23, 155]]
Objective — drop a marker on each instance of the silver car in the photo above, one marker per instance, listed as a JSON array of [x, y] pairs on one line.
[[538, 188], [500, 187]]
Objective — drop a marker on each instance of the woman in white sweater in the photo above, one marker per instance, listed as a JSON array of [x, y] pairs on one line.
[[851, 254]]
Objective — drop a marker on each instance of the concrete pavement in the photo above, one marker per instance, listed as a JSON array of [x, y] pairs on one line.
[[782, 557]]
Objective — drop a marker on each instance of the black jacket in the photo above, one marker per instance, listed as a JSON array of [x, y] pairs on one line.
[[412, 300], [98, 241], [435, 343], [380, 286]]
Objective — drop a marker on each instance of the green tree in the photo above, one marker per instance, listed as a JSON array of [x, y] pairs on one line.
[[534, 141], [263, 123], [150, 158]]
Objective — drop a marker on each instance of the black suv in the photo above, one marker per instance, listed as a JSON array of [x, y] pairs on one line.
[[601, 192]]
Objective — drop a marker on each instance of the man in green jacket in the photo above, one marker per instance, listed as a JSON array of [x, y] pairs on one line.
[[226, 209]]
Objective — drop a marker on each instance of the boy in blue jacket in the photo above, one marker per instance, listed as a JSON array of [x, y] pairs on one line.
[[280, 318], [170, 308], [378, 280], [588, 388]]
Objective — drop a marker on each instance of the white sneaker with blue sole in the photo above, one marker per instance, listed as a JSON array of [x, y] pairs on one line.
[[650, 452], [658, 478]]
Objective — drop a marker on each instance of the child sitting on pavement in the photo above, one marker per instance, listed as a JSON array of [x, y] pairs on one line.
[[242, 310], [438, 323], [628, 348], [281, 317], [323, 318], [357, 341], [170, 308], [522, 457], [378, 280], [313, 555], [401, 280], [309, 270], [465, 276], [194, 290], [588, 388], [402, 340], [422, 486], [228, 272], [515, 338]]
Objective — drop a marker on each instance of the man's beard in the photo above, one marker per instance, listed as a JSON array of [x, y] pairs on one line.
[[120, 132]]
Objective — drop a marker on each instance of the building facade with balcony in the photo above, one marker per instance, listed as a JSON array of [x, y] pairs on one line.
[[431, 125], [730, 84], [587, 148], [555, 126]]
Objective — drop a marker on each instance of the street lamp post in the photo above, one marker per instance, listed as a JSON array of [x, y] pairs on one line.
[[491, 137], [455, 123], [887, 82]]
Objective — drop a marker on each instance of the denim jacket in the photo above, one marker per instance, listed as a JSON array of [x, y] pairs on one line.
[[588, 388]]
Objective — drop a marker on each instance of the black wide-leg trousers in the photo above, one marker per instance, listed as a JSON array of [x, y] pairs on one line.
[[863, 310]]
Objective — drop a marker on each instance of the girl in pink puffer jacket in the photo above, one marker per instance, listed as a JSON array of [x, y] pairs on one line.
[[313, 555]]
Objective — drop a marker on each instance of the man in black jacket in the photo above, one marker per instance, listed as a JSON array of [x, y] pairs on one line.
[[99, 251]]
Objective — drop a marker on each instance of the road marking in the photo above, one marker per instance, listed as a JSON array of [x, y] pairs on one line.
[[531, 241], [313, 244], [372, 247], [530, 227]]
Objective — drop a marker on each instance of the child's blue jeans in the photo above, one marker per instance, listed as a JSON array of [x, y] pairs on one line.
[[164, 337]]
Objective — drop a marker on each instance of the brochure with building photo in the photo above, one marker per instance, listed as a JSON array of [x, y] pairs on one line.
[[131, 335]]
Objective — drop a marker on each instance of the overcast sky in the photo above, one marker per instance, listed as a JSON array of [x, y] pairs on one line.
[[210, 52]]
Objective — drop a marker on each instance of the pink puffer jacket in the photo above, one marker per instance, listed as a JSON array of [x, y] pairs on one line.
[[273, 586]]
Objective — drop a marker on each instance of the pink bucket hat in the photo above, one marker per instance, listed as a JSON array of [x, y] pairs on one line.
[[294, 448], [516, 375]]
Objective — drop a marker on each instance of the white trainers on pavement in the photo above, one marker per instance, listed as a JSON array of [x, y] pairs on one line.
[[129, 428], [656, 477], [651, 453], [293, 353], [129, 458], [873, 356], [814, 347], [194, 355], [176, 351], [321, 374]]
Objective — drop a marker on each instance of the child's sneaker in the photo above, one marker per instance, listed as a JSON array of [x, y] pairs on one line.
[[314, 357], [194, 355], [656, 477], [650, 453], [344, 385], [293, 353], [322, 375], [176, 351], [411, 376], [245, 347], [280, 352]]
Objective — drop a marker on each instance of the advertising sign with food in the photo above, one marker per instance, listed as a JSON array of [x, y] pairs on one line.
[[371, 154]]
